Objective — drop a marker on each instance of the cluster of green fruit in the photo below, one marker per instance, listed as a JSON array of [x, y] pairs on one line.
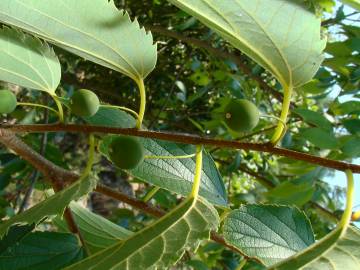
[[83, 103], [240, 115], [126, 152]]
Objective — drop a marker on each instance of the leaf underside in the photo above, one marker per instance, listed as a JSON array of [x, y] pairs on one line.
[[93, 29], [53, 205], [28, 62], [175, 175], [270, 233], [42, 251], [161, 244], [97, 232], [334, 252], [281, 35]]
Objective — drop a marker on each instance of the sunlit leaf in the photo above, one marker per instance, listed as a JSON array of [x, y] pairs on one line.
[[162, 243], [268, 232], [282, 36], [92, 29], [28, 62], [353, 3], [334, 252]]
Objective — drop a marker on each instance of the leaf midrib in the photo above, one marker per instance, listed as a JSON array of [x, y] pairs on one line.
[[47, 36]]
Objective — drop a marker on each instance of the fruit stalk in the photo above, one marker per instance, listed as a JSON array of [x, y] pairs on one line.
[[279, 131], [60, 109], [141, 86], [197, 178]]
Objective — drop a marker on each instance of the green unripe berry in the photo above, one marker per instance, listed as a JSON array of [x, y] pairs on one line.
[[8, 101], [241, 115], [126, 152], [84, 103]]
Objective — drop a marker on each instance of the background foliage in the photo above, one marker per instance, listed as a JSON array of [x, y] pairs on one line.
[[197, 72]]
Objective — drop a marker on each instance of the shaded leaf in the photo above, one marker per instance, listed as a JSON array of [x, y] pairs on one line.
[[268, 232], [92, 29], [313, 118], [111, 118], [257, 29], [28, 62], [352, 125], [291, 193], [161, 244], [176, 175], [333, 252], [319, 137], [42, 251], [53, 205], [98, 232], [352, 147], [15, 234]]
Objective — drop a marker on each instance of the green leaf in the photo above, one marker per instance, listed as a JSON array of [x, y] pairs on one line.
[[348, 107], [16, 233], [28, 62], [333, 252], [53, 205], [161, 244], [352, 125], [176, 175], [291, 193], [42, 251], [352, 147], [98, 232], [111, 118], [92, 29], [313, 118], [320, 137], [353, 3], [268, 232], [282, 36]]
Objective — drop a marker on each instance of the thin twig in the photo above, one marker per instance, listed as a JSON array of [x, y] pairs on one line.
[[184, 138], [36, 174]]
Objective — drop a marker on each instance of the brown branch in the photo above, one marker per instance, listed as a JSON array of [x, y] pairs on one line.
[[58, 174], [186, 139], [156, 212], [219, 53], [51, 171]]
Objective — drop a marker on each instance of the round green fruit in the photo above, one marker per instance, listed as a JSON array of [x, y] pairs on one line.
[[126, 152], [240, 115], [84, 103], [8, 101]]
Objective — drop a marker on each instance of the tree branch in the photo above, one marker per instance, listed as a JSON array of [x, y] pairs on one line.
[[58, 174], [52, 172], [186, 139]]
